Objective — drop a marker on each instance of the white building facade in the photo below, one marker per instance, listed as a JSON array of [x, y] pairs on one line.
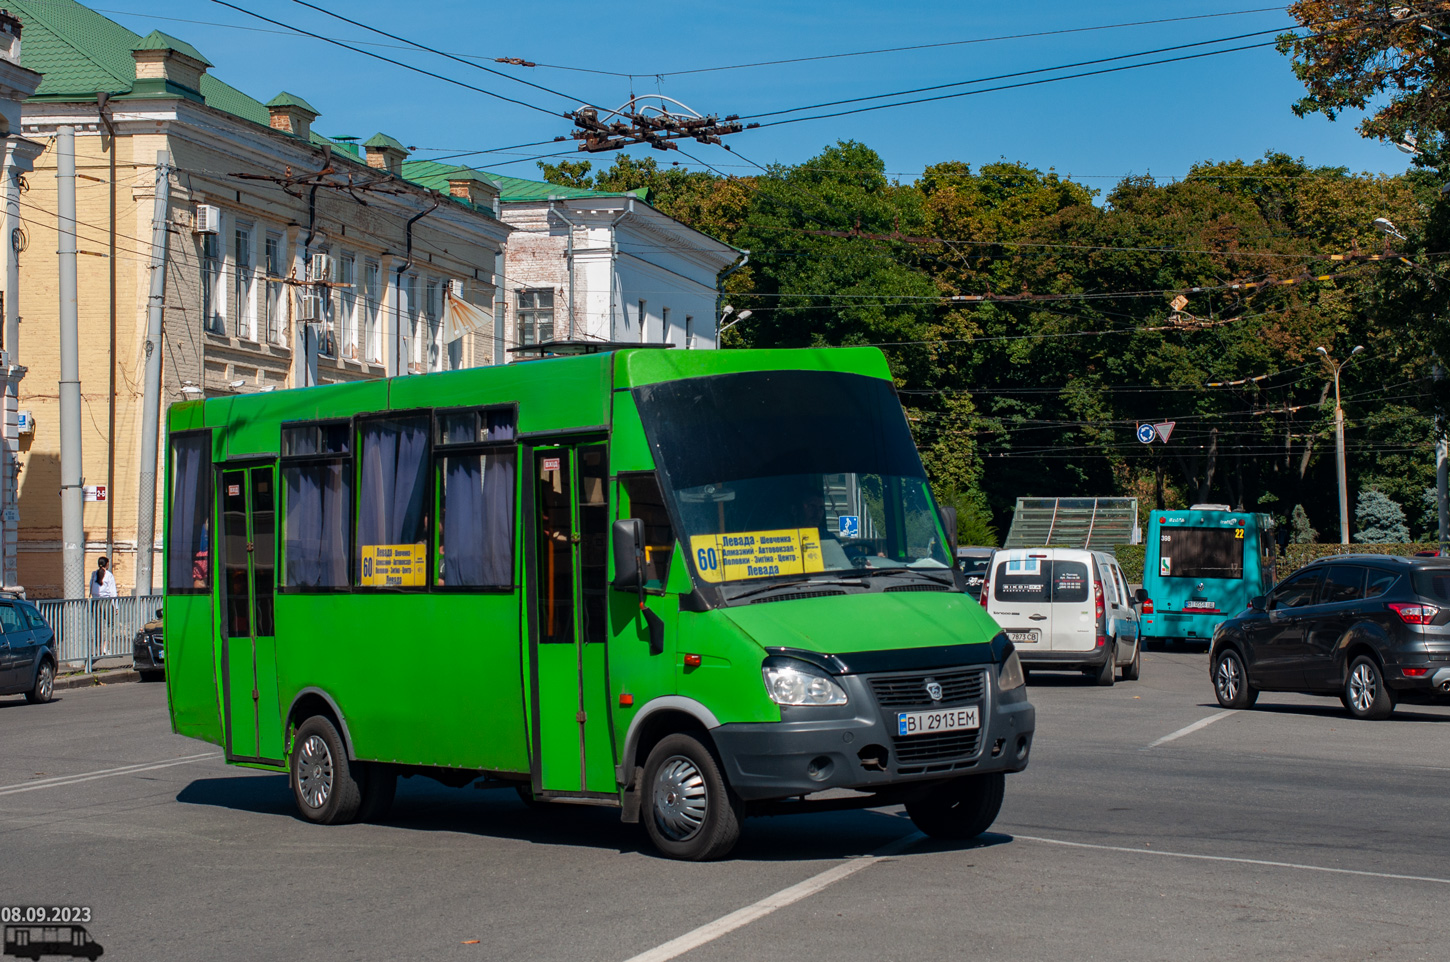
[[608, 268]]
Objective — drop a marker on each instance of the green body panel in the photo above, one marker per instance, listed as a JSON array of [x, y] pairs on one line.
[[446, 679], [242, 711], [193, 672], [868, 622]]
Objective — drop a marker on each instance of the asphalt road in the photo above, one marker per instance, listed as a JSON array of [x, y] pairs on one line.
[[1288, 832]]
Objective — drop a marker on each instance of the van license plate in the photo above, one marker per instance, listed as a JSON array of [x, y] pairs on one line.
[[1018, 637], [946, 720]]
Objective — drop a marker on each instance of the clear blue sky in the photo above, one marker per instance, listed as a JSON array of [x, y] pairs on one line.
[[1158, 120]]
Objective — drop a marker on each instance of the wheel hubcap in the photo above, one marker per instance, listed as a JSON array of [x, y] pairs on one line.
[[680, 799], [1362, 687], [314, 772], [1228, 678], [47, 682]]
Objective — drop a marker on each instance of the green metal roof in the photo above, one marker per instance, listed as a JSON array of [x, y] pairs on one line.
[[383, 140], [284, 99], [156, 40], [82, 53]]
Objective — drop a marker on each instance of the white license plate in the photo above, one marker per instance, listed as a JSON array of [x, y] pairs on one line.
[[1019, 637], [943, 720]]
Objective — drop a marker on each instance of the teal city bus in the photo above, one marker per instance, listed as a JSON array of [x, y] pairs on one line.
[[693, 584], [1201, 565]]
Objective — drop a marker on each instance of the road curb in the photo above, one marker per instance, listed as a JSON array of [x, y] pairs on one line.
[[95, 679]]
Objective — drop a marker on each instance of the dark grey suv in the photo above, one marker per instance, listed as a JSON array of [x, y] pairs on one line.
[[1372, 629]]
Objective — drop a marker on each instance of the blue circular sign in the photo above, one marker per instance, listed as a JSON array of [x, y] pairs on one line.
[[1146, 434]]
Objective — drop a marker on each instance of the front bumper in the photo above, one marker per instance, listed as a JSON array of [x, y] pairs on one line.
[[148, 654], [855, 746], [1065, 660]]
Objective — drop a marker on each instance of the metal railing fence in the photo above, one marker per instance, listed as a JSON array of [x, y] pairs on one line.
[[90, 628]]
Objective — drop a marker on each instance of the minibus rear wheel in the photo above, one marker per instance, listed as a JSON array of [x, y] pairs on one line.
[[691, 813], [324, 785], [960, 809]]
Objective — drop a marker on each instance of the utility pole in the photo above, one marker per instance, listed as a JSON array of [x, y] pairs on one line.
[[151, 392], [1442, 454], [1339, 440], [72, 495]]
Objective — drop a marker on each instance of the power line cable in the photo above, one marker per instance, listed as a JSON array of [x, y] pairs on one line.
[[387, 60]]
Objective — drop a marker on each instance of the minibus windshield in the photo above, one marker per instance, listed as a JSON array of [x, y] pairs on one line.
[[786, 474]]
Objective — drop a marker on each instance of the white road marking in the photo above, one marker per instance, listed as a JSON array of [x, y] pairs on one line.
[[1298, 866], [787, 896], [1190, 729], [61, 781]]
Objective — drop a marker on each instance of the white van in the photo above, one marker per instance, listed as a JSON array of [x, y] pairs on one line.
[[1067, 609]]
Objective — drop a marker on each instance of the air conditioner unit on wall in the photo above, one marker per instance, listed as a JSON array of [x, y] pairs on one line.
[[208, 219]]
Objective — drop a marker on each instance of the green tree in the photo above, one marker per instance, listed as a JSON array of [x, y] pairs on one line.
[[1379, 519], [1302, 532]]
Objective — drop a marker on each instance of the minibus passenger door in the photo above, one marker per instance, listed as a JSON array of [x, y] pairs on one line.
[[248, 559], [569, 536]]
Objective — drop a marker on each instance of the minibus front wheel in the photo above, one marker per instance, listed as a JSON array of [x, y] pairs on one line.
[[691, 813], [961, 809]]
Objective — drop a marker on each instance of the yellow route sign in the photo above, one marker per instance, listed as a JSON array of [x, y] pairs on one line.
[[394, 565], [757, 554]]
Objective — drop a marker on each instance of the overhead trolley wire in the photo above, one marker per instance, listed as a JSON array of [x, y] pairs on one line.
[[387, 60]]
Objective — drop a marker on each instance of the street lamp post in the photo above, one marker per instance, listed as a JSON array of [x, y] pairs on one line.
[[1339, 440]]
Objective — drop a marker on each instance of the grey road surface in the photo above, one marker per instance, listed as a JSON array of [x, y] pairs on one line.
[[1150, 826]]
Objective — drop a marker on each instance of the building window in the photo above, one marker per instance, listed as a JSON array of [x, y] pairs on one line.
[[433, 306], [317, 481], [413, 311], [642, 325], [536, 317], [689, 331], [347, 305], [243, 275], [665, 325], [275, 305], [211, 276], [392, 520], [372, 311], [321, 271]]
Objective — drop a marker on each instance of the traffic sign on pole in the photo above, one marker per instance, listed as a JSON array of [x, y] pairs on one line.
[[1146, 433]]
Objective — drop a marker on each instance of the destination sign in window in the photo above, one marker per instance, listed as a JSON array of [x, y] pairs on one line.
[[757, 554]]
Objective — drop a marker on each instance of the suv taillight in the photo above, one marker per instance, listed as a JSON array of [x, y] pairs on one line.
[[1147, 606], [1413, 614]]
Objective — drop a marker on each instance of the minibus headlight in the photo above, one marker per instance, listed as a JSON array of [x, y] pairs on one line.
[[1009, 675], [791, 682]]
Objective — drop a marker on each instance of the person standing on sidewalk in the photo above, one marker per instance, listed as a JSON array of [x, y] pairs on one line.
[[103, 585]]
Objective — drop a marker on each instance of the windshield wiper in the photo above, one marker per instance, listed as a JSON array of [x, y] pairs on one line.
[[923, 572], [801, 583]]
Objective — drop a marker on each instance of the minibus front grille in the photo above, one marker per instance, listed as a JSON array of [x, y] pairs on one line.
[[909, 691], [913, 750]]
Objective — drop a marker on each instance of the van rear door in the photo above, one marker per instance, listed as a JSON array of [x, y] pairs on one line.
[[1021, 599], [1074, 620]]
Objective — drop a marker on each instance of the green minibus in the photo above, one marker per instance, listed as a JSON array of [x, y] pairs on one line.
[[695, 585]]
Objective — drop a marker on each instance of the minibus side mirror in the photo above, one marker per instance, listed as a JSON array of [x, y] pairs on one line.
[[949, 521], [1256, 603], [628, 538]]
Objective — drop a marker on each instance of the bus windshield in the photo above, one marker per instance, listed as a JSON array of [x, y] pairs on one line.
[[791, 473]]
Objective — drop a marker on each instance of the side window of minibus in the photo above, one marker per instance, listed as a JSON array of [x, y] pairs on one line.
[[475, 468], [647, 504]]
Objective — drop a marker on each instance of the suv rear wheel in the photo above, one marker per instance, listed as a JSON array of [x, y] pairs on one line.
[[1365, 693]]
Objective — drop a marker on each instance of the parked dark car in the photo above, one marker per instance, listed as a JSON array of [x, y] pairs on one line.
[[148, 654], [27, 651], [1372, 629]]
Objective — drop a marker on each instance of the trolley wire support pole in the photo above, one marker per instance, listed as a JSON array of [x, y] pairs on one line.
[[659, 121], [151, 391], [72, 529]]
